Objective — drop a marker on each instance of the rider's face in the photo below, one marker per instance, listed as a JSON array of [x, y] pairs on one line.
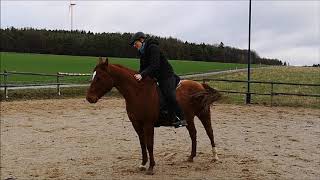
[[137, 44]]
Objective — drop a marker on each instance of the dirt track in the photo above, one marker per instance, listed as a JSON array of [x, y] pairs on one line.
[[72, 139]]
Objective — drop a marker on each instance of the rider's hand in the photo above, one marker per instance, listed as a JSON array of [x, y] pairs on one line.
[[138, 77]]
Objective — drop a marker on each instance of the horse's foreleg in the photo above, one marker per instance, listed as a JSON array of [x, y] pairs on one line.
[[205, 119], [143, 166], [140, 133], [149, 137], [193, 135]]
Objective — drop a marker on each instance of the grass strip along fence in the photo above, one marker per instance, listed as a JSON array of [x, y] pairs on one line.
[[228, 87]]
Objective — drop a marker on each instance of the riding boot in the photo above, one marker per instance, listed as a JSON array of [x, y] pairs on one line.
[[179, 120]]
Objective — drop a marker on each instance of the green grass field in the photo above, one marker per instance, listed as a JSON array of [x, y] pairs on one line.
[[51, 64], [56, 63], [300, 75]]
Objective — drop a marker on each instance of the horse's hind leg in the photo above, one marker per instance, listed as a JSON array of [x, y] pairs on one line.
[[193, 135], [205, 119]]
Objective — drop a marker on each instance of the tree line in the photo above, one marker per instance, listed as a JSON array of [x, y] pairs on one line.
[[83, 43]]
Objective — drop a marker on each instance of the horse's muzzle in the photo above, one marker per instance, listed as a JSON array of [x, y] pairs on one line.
[[92, 99]]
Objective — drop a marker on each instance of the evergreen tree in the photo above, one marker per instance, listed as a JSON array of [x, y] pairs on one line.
[[84, 43]]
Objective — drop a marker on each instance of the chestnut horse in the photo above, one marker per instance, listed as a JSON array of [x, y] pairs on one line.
[[142, 104]]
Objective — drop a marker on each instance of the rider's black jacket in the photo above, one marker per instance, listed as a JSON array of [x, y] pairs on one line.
[[153, 63]]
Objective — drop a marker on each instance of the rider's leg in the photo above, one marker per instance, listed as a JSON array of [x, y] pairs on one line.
[[168, 88]]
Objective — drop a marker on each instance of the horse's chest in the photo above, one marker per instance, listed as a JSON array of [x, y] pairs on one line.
[[137, 111], [131, 116]]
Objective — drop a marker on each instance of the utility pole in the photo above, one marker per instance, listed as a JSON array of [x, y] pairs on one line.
[[248, 97]]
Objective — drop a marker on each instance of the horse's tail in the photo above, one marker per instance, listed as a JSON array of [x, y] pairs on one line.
[[203, 99]]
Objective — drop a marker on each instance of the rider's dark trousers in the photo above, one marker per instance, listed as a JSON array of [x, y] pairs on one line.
[[168, 89]]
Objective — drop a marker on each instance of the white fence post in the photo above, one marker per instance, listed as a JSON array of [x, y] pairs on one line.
[[58, 84]]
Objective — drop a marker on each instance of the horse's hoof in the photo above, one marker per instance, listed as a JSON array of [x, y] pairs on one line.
[[215, 160], [150, 172], [142, 167], [190, 159]]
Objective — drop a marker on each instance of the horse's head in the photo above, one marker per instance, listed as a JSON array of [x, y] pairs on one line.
[[101, 82]]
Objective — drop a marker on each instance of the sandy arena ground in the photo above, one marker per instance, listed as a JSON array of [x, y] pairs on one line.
[[72, 139]]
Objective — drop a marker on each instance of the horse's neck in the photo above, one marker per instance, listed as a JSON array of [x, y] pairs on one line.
[[124, 82]]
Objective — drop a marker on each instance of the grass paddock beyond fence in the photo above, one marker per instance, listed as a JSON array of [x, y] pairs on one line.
[[278, 81]]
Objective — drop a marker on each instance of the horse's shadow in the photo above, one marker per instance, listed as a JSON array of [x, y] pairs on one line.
[[169, 163]]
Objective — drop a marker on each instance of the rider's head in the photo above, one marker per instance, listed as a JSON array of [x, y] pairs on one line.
[[137, 39]]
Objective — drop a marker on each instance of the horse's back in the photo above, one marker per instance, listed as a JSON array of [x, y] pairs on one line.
[[189, 86], [186, 89]]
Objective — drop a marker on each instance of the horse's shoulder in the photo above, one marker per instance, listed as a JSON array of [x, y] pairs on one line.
[[149, 82]]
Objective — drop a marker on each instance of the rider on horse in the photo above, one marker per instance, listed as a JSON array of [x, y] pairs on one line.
[[154, 64]]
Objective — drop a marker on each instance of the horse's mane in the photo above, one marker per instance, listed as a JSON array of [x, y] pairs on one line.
[[125, 68], [147, 80]]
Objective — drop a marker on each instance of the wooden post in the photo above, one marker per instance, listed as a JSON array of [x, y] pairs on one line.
[[271, 93], [5, 84]]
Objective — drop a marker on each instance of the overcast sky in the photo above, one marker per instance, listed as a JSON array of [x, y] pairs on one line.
[[286, 30]]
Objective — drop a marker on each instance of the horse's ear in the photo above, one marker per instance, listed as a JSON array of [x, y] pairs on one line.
[[99, 60], [103, 60]]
